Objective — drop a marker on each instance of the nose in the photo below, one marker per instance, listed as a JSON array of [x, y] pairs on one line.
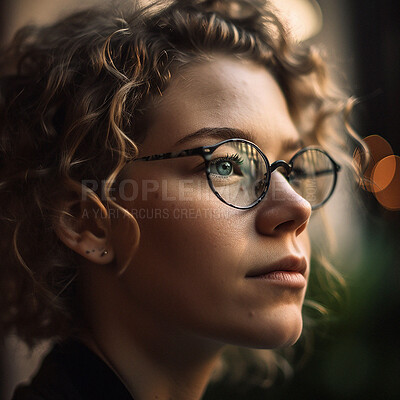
[[282, 210]]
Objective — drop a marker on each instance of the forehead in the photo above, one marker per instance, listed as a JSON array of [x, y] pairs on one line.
[[222, 92]]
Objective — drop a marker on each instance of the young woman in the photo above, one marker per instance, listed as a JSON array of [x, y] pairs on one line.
[[159, 168]]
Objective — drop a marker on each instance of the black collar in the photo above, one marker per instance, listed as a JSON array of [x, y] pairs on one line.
[[72, 370]]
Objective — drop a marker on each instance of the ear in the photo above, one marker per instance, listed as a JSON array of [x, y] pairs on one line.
[[85, 230]]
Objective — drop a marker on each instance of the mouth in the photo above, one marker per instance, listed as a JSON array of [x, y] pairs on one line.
[[289, 271]]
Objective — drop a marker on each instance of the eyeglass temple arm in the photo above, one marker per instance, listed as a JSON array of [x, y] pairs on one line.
[[165, 156], [289, 168]]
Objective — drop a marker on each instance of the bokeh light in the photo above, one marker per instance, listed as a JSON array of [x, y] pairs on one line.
[[378, 148], [382, 174], [386, 175]]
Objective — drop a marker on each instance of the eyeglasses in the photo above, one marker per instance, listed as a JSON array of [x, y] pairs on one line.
[[239, 173]]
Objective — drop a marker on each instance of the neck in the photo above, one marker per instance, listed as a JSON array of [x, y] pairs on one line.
[[153, 360]]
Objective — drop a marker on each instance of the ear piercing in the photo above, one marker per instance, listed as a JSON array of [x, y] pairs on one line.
[[104, 253]]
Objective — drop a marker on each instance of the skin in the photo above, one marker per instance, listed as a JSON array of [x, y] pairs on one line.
[[161, 324]]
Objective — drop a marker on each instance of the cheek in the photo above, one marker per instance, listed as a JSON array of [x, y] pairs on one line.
[[187, 241], [180, 220], [186, 253]]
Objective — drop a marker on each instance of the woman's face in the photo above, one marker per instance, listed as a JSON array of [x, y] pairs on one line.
[[196, 260]]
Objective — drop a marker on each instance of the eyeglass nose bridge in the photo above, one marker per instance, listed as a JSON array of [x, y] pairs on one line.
[[281, 163]]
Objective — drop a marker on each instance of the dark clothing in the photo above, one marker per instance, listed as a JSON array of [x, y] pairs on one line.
[[71, 371]]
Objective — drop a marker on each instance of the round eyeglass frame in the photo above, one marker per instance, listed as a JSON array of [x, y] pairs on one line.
[[207, 151]]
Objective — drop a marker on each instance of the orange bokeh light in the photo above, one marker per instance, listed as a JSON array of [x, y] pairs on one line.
[[386, 177], [378, 148]]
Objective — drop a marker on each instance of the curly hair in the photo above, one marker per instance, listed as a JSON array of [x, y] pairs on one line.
[[74, 98]]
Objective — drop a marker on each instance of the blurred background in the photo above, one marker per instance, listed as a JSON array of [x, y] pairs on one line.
[[357, 355]]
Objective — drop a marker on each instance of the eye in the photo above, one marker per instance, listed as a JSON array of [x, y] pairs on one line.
[[226, 166]]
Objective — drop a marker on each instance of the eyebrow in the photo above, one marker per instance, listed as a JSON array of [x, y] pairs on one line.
[[223, 133], [217, 133]]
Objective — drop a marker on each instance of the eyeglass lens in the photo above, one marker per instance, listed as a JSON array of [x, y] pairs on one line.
[[239, 174], [313, 176]]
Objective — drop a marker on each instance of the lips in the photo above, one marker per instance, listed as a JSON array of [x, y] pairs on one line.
[[290, 263]]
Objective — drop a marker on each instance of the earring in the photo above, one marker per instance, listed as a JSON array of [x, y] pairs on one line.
[[104, 253]]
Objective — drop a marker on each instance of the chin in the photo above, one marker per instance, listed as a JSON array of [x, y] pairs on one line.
[[290, 336], [285, 331]]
